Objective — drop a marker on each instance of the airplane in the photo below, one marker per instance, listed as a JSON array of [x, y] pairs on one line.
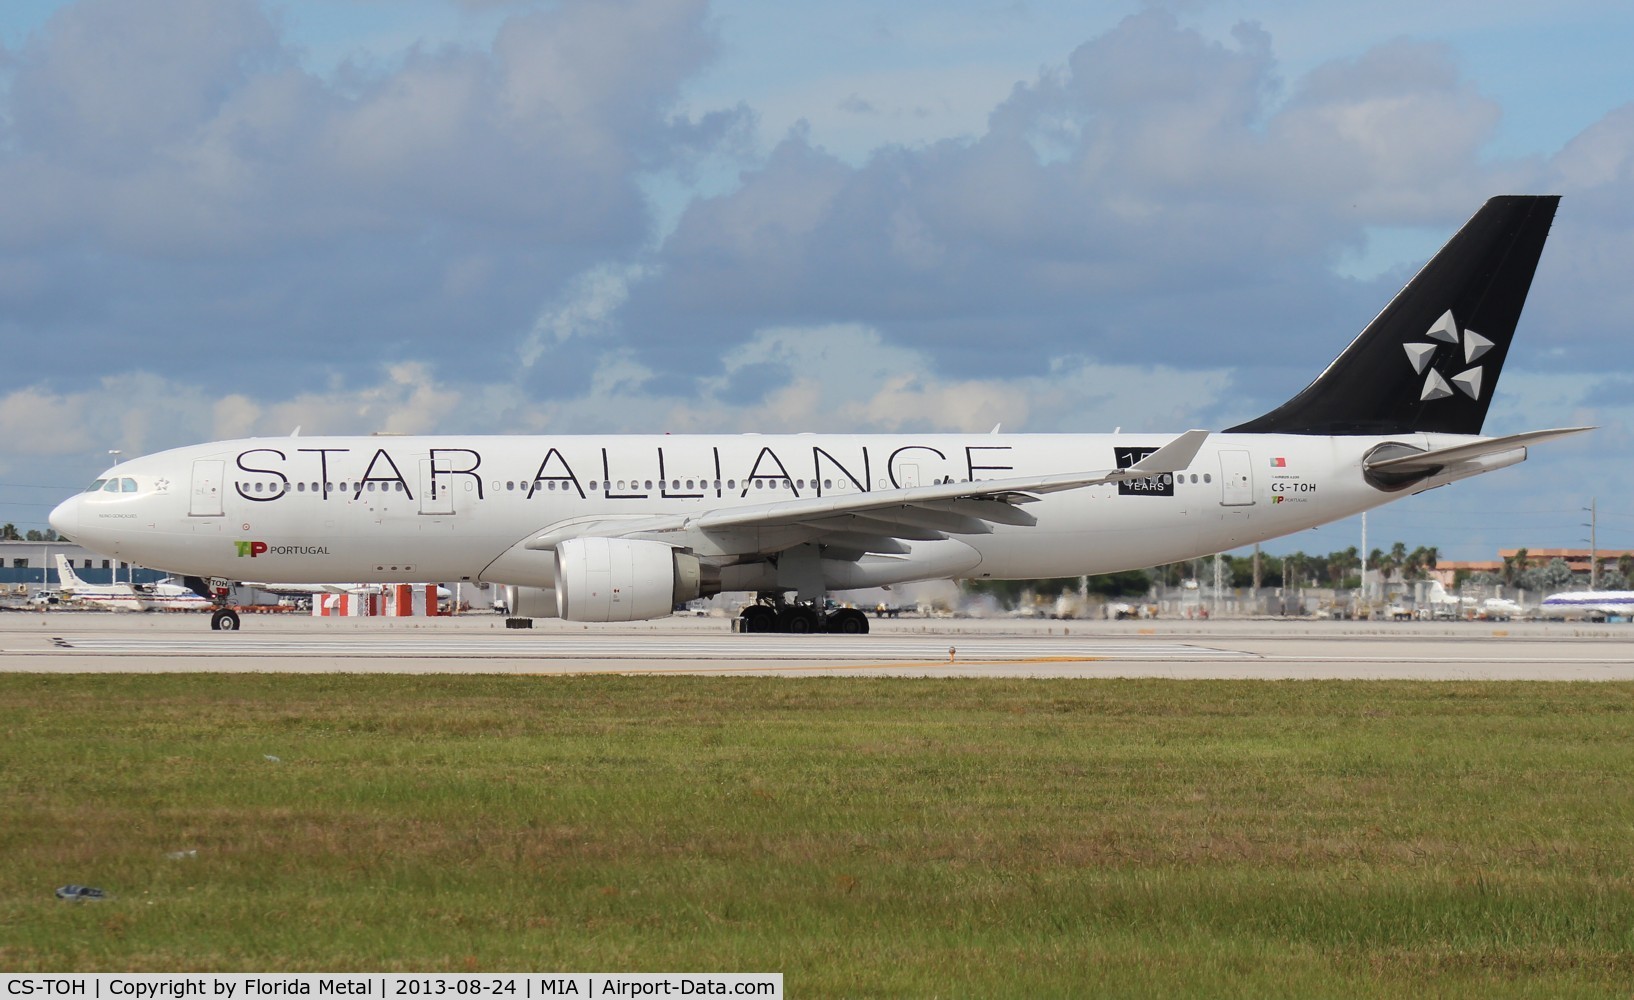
[[1501, 609], [1447, 605], [1443, 604], [619, 528], [1589, 603], [126, 596], [445, 597], [312, 589]]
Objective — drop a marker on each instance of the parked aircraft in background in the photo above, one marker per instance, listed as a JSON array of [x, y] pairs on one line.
[[1501, 609], [1445, 605], [1589, 604], [126, 596], [445, 597], [618, 528], [309, 589]]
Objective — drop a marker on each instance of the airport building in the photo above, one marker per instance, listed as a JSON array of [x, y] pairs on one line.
[[33, 566], [1577, 559]]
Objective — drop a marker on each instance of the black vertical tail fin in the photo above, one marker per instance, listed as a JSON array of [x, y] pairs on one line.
[[1430, 360]]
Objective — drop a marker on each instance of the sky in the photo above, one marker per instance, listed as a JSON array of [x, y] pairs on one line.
[[224, 218]]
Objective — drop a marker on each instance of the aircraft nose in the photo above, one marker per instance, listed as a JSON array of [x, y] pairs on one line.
[[65, 518]]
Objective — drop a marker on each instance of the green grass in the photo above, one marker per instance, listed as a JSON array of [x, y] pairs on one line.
[[866, 837]]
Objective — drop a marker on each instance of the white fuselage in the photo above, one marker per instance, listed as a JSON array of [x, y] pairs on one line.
[[406, 509], [1590, 602]]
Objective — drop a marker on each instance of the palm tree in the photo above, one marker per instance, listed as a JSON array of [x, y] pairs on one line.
[[1420, 562], [1341, 563], [1514, 566], [1384, 562], [1293, 564]]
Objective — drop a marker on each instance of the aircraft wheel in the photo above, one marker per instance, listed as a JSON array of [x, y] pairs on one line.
[[848, 621], [224, 620], [758, 618], [799, 621]]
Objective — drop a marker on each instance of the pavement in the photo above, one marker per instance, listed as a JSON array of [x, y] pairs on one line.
[[61, 641]]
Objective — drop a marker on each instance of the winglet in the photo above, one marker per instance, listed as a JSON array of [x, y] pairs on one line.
[[1172, 457]]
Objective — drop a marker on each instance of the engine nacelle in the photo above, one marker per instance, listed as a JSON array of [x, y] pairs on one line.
[[530, 602], [623, 579]]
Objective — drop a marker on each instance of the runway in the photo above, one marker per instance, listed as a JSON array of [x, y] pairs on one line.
[[70, 642]]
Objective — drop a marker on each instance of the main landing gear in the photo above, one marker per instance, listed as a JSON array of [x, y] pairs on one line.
[[771, 613]]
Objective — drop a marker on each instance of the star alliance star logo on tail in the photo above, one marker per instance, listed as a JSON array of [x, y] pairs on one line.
[[1423, 355]]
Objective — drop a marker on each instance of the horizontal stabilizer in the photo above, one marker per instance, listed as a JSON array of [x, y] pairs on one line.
[[1429, 461]]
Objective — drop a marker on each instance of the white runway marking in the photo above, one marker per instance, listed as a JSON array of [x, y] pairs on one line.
[[658, 647]]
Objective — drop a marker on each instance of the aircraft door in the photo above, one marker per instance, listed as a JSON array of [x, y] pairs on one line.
[[436, 489], [907, 475], [205, 498], [1236, 479]]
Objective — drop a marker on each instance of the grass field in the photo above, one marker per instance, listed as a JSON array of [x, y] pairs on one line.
[[866, 837]]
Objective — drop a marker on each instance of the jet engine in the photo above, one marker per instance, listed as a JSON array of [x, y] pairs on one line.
[[624, 579]]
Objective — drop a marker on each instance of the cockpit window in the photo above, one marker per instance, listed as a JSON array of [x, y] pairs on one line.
[[123, 484]]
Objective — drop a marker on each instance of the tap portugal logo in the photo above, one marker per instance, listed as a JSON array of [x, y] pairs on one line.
[[254, 549]]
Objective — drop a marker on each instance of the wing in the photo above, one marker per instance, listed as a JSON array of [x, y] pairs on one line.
[[856, 524]]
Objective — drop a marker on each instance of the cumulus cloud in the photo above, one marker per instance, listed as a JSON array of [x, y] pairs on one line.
[[189, 194], [1162, 194]]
